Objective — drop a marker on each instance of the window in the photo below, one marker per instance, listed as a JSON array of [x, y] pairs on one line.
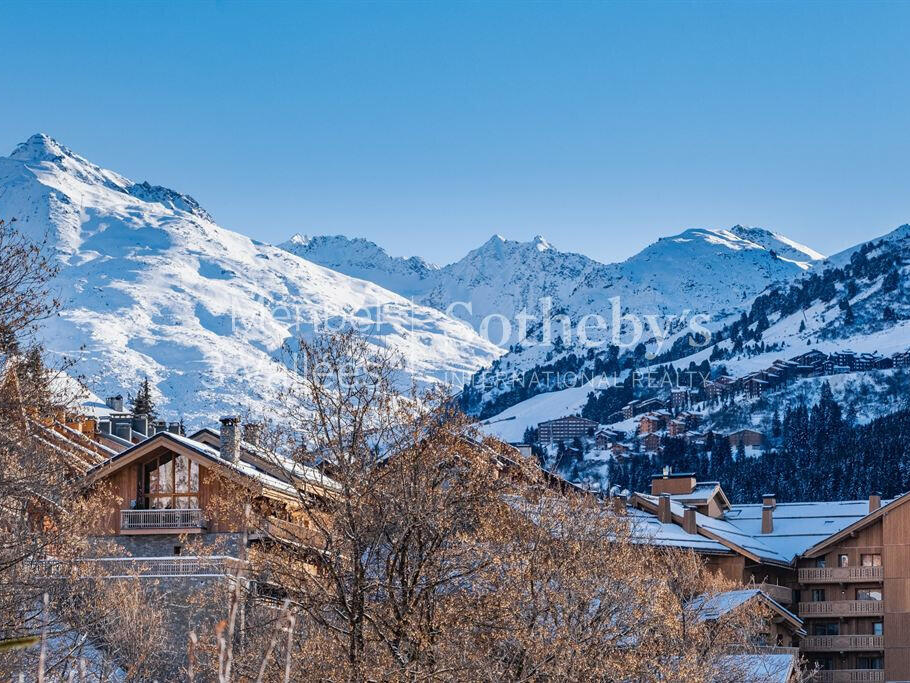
[[870, 560], [869, 663], [864, 594], [843, 561], [177, 549], [820, 562], [826, 628], [169, 482], [877, 628], [818, 595]]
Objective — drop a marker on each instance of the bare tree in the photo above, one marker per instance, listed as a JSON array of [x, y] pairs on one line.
[[425, 552]]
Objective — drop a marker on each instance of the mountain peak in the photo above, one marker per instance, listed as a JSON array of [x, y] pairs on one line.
[[541, 243], [40, 147], [297, 239]]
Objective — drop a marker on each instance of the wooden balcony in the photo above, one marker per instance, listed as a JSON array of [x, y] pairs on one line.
[[161, 521], [840, 574], [842, 608], [842, 643], [849, 676]]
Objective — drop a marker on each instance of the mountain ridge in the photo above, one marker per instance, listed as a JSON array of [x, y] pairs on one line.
[[152, 286]]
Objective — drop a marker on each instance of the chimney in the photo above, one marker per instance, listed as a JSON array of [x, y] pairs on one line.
[[875, 502], [141, 424], [689, 525], [767, 519], [663, 509], [230, 439], [769, 499], [252, 433], [115, 403]]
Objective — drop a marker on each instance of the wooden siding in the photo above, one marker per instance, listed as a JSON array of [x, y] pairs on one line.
[[895, 528]]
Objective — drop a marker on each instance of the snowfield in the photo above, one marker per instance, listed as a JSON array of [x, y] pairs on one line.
[[152, 286]]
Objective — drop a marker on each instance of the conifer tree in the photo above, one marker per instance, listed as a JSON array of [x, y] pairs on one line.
[[142, 403]]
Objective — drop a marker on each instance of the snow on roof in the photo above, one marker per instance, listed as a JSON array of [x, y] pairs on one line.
[[798, 526], [712, 607], [728, 532], [703, 492], [209, 453], [762, 668], [251, 470], [646, 528]]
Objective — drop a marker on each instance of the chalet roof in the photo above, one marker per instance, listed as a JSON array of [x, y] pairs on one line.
[[799, 526], [712, 607], [862, 522], [723, 532], [80, 452], [646, 528], [244, 469]]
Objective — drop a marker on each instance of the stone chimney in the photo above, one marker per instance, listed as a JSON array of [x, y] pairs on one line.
[[689, 525], [663, 509], [230, 439], [115, 403], [767, 519], [875, 502]]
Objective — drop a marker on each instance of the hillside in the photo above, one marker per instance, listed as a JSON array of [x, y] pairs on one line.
[[152, 286]]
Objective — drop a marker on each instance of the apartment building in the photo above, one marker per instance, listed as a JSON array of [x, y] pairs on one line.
[[842, 567], [565, 428]]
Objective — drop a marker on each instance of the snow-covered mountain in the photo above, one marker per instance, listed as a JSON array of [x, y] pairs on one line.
[[152, 286], [365, 260], [704, 270], [857, 300]]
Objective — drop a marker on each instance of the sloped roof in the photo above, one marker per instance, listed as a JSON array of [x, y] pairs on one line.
[[244, 469], [646, 528], [724, 532], [864, 521], [799, 526], [712, 607]]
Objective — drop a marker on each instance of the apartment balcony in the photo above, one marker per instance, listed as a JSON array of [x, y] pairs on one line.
[[842, 608], [842, 643], [171, 566], [840, 574], [161, 521], [849, 676]]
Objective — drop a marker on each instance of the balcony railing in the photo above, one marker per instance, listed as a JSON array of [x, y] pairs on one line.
[[840, 574], [131, 520], [842, 643], [842, 608], [850, 676], [170, 566]]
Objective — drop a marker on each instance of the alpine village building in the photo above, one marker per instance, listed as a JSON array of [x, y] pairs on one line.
[[836, 574]]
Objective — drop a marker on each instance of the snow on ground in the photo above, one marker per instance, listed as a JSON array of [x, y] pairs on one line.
[[153, 287]]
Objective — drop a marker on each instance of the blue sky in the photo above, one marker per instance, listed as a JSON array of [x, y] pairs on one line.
[[427, 127]]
